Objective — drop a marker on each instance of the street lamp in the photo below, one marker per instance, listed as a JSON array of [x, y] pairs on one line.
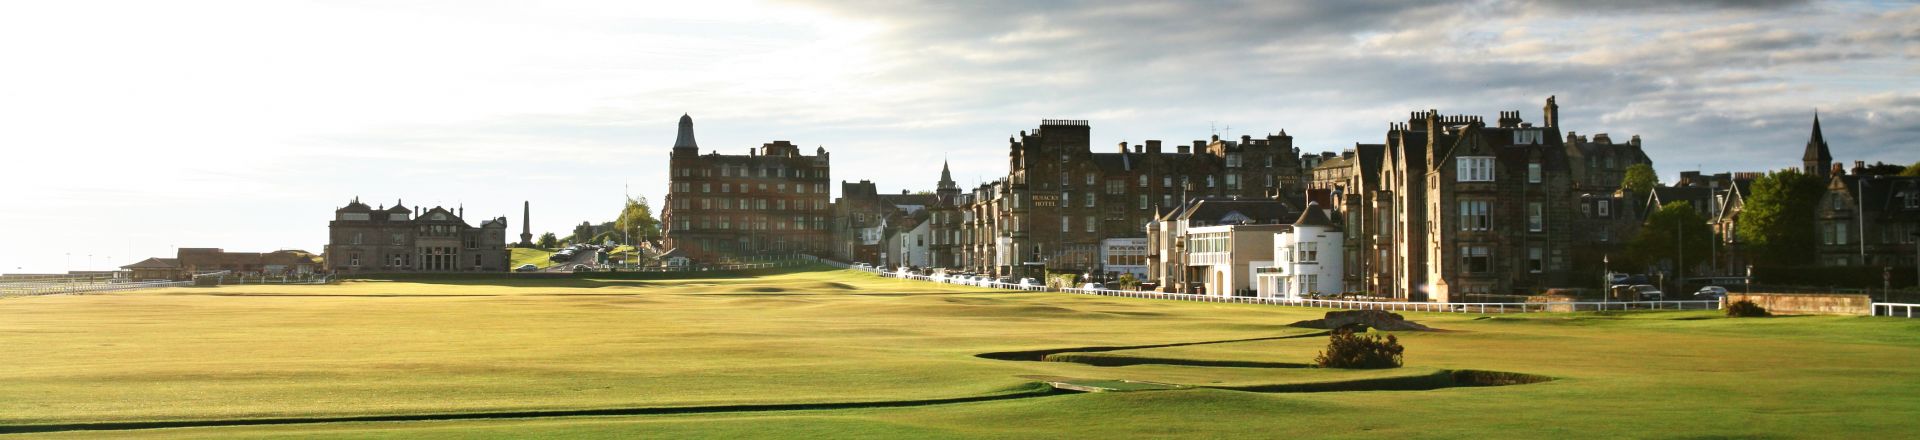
[[1606, 276]]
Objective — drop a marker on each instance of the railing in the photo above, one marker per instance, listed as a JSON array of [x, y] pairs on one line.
[[57, 287], [1901, 310], [1478, 308]]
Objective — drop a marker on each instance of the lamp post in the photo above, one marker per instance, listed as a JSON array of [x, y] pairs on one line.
[[1606, 276]]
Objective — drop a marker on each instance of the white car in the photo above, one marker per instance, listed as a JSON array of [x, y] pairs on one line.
[[1093, 286]]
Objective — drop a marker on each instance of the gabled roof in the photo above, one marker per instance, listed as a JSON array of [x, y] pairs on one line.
[[1314, 215]]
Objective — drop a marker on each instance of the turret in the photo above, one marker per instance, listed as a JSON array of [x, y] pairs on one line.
[[683, 143]]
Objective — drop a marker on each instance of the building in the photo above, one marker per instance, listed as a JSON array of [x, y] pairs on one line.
[[1124, 256], [1349, 182], [188, 262], [1170, 264], [863, 220], [1307, 259], [398, 239], [1475, 208], [1868, 220], [771, 202], [1060, 200], [1223, 259]]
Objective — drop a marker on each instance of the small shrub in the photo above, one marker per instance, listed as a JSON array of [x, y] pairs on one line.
[[1349, 350], [1746, 309]]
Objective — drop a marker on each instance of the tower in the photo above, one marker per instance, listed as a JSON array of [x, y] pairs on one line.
[[683, 143], [1817, 158], [947, 191], [526, 228]]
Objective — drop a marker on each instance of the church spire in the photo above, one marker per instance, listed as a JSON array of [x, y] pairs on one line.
[[1818, 159]]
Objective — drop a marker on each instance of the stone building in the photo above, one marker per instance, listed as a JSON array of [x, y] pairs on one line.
[[188, 262], [1060, 199], [864, 221], [1476, 208], [771, 202], [1867, 219], [1349, 182], [398, 239]]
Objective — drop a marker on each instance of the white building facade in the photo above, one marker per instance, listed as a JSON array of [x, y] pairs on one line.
[[1224, 258], [1124, 256], [1307, 259]]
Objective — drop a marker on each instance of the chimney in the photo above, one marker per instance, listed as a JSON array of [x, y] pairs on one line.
[[1552, 114], [1601, 138], [1635, 141], [1837, 169], [1183, 149], [1153, 147], [1123, 147], [1859, 167], [1245, 139]]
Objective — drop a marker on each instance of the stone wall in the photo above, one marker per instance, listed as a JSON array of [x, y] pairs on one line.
[[1808, 304]]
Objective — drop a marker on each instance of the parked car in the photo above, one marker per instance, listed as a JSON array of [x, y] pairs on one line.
[[1028, 282], [1096, 286], [1711, 292], [1646, 292], [527, 268]]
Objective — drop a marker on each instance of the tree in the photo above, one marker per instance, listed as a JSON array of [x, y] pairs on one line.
[[636, 219], [549, 241], [1640, 179], [1777, 222], [1912, 170], [1674, 231]]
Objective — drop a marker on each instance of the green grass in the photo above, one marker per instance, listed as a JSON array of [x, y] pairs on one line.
[[448, 346], [533, 256]]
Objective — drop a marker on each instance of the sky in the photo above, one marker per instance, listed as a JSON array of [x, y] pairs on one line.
[[132, 128]]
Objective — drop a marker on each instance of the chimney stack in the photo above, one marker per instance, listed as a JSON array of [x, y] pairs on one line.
[[1153, 147], [1859, 167]]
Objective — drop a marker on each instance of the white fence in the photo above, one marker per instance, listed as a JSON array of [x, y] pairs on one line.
[[1481, 308], [60, 287], [1899, 310]]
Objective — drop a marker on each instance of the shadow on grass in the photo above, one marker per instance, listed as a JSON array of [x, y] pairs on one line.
[[1114, 360], [1437, 380], [1030, 390], [1041, 355]]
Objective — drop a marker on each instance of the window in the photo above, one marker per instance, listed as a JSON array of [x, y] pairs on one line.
[[1473, 259], [356, 238], [1309, 252], [706, 203], [781, 188], [1602, 208], [1233, 181], [1143, 201], [726, 187], [1066, 199], [1474, 169], [1837, 205], [1066, 224], [800, 189], [1166, 181], [1089, 202], [706, 187], [1166, 200], [1089, 180], [399, 238], [1143, 181], [1840, 233], [1209, 181], [1473, 215], [1116, 186], [1535, 259], [1536, 220], [1233, 160], [1533, 172]]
